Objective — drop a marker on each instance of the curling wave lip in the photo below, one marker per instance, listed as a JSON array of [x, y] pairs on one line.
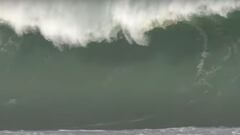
[[77, 23]]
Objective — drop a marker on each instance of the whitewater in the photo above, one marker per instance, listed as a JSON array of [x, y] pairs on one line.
[[170, 131], [79, 22]]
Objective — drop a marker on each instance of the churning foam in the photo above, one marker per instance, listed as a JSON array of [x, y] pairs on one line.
[[78, 22]]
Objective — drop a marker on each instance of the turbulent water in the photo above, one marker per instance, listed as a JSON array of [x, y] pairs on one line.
[[78, 22], [170, 131], [119, 65]]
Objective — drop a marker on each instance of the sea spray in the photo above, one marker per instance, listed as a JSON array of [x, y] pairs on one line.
[[77, 23]]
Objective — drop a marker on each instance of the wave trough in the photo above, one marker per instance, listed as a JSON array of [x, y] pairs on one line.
[[77, 23]]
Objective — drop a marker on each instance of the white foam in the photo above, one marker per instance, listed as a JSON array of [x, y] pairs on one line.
[[169, 131], [78, 22]]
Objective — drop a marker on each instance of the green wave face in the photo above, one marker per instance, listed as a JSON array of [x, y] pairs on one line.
[[188, 75]]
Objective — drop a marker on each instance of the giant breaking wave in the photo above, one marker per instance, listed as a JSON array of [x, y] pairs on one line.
[[79, 22]]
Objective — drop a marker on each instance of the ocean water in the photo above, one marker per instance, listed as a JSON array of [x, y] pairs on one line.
[[116, 66], [170, 131]]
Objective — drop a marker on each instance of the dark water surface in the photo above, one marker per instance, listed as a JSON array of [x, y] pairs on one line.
[[189, 75]]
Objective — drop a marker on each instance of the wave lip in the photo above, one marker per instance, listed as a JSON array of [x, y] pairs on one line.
[[78, 23]]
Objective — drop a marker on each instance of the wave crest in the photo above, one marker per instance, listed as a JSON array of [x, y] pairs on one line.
[[78, 23]]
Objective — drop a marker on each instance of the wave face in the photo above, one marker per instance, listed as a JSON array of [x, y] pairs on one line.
[[187, 76], [80, 22]]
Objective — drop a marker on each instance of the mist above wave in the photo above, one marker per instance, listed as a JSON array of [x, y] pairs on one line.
[[79, 22]]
